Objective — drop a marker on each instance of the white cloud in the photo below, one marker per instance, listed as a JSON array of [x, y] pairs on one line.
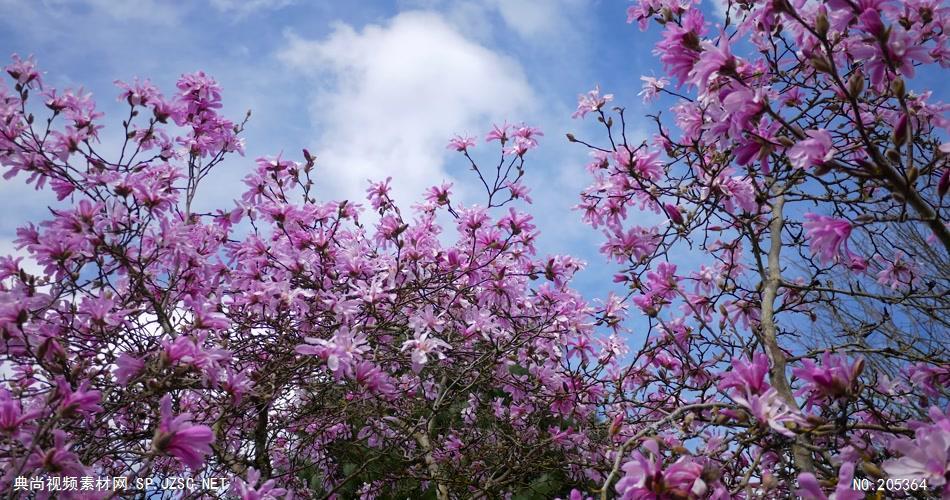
[[242, 8], [142, 10], [388, 98], [720, 8], [534, 21]]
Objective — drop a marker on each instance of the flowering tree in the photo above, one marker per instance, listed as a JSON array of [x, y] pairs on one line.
[[331, 349], [281, 341], [794, 131]]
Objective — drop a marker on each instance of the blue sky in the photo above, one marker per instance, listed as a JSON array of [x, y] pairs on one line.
[[374, 88]]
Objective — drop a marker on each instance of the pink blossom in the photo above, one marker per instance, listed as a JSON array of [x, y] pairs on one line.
[[439, 194], [591, 102], [498, 133], [639, 12], [811, 490], [138, 93], [80, 401], [237, 384], [652, 86], [930, 379], [12, 416], [828, 237], [60, 459], [673, 212], [926, 457], [341, 351], [747, 375], [663, 281], [639, 473], [24, 71], [738, 113], [371, 377], [898, 273], [178, 437], [378, 193], [519, 191], [646, 478], [637, 242], [249, 489], [836, 377], [770, 410], [127, 368], [813, 151], [900, 51], [712, 61], [460, 143], [422, 345], [680, 48]]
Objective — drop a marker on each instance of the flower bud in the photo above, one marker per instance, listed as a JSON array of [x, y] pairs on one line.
[[912, 174], [821, 24], [893, 155], [821, 64], [856, 84], [674, 213], [900, 131], [616, 424], [898, 87]]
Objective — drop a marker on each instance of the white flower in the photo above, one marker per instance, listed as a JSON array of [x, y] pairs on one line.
[[771, 410], [422, 345]]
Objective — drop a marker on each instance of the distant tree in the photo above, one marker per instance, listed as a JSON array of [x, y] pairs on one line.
[[891, 328]]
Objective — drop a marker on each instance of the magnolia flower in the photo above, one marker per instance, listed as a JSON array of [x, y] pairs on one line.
[[460, 143], [498, 133], [747, 375], [81, 401], [811, 490], [902, 50], [178, 437], [422, 346], [712, 60], [813, 151], [247, 490], [340, 352], [834, 378], [59, 459], [24, 71], [592, 102], [127, 367], [899, 273], [12, 416], [646, 478], [677, 49], [828, 237], [770, 409], [926, 457], [652, 86], [639, 470]]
